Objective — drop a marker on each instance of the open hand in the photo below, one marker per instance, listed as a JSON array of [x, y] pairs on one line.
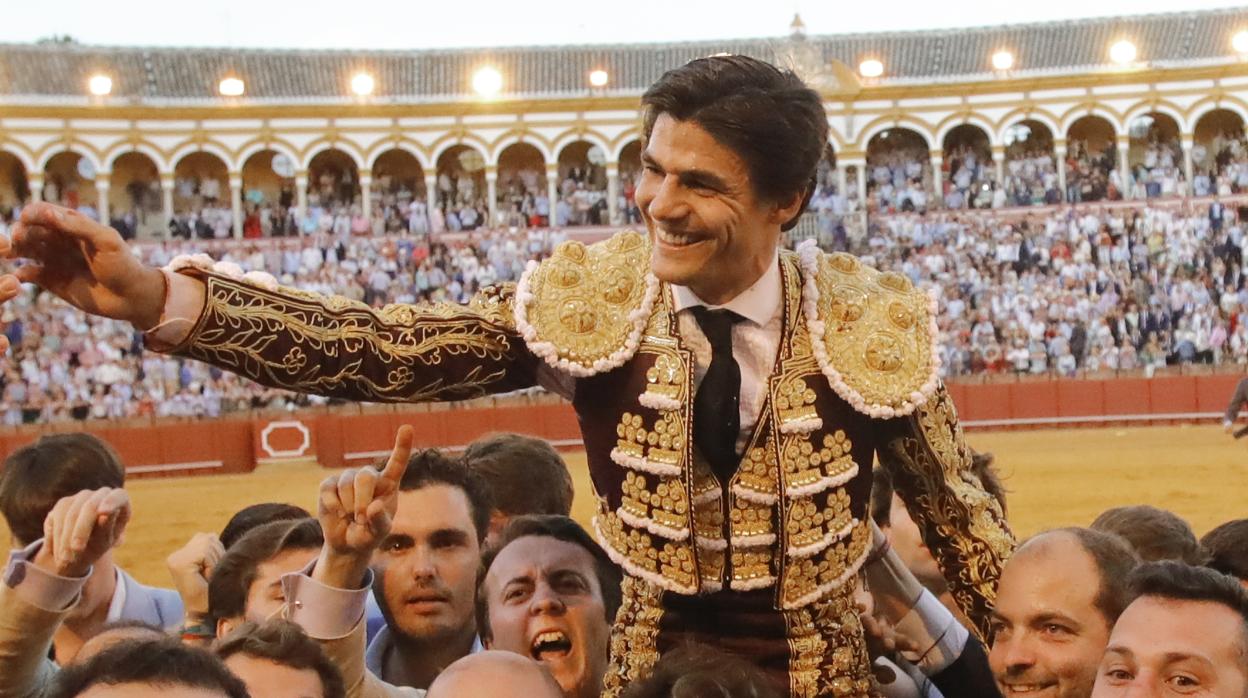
[[83, 262]]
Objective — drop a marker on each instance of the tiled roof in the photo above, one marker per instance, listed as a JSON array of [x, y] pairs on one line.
[[191, 74]]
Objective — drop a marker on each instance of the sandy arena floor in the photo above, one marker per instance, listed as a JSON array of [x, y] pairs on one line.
[[1055, 478]]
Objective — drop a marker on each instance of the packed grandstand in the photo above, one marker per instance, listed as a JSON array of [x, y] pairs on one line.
[[1077, 215]]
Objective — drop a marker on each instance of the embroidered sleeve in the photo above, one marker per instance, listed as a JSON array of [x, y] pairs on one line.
[[961, 523], [337, 347]]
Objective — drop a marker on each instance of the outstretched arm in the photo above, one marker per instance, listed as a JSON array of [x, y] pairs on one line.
[[279, 337], [962, 524]]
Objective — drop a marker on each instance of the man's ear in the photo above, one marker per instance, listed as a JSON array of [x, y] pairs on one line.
[[786, 209], [225, 626]]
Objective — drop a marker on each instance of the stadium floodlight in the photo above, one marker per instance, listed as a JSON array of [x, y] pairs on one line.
[[1002, 60], [599, 78], [100, 85], [871, 68], [1122, 52], [487, 81], [362, 84], [1239, 42], [231, 87]]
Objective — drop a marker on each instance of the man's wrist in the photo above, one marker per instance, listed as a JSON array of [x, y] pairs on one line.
[[45, 560], [341, 570], [151, 302]]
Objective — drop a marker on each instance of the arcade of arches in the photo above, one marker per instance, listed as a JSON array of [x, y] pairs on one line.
[[526, 183]]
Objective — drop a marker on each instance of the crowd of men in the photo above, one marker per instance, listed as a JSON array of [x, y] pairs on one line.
[[464, 576], [1133, 288]]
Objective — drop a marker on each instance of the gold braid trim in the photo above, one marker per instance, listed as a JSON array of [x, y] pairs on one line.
[[329, 345], [634, 636], [961, 523]]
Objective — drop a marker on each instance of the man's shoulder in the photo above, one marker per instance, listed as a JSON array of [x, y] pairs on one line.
[[583, 308], [874, 333]]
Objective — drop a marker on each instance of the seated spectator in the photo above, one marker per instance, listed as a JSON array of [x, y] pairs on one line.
[[549, 592], [695, 671], [526, 475], [35, 480], [149, 669], [1155, 534], [276, 660], [1185, 632], [1058, 598], [419, 524], [491, 674], [246, 586], [1227, 547]]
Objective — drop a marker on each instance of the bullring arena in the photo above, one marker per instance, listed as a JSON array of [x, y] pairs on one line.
[[1074, 195]]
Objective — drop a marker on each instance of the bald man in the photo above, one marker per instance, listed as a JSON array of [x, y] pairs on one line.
[[495, 674], [1057, 600]]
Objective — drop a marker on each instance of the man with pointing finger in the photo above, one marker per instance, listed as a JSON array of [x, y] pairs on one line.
[[732, 394], [412, 531]]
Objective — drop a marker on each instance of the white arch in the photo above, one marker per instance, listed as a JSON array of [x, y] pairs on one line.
[[964, 120], [259, 146], [406, 146], [22, 154], [467, 140], [1144, 108], [625, 140], [324, 145], [922, 128], [142, 147], [1095, 110], [76, 147], [1040, 117], [570, 137], [206, 147], [1227, 105], [514, 138]]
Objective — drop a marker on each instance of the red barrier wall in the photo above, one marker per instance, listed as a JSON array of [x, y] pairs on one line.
[[357, 435]]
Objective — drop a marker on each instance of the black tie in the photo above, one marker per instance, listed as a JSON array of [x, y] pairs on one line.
[[716, 410]]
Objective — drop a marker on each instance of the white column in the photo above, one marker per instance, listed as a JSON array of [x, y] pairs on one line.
[[998, 161], [35, 183], [431, 192], [1059, 154], [841, 180], [860, 170], [613, 193], [101, 193], [1187, 142], [366, 193], [301, 197], [1124, 167], [938, 189], [166, 200], [491, 194], [552, 187], [236, 204]]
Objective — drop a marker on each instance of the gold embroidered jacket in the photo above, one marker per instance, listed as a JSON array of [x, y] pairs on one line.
[[855, 378]]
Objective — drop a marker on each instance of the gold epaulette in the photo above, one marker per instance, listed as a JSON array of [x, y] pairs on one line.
[[873, 333], [583, 309]]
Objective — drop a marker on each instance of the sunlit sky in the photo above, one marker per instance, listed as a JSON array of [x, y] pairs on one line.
[[411, 24]]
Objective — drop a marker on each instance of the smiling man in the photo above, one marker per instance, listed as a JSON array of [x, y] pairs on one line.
[[732, 394], [1185, 634], [1057, 601], [549, 592]]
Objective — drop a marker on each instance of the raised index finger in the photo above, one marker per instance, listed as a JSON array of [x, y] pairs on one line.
[[397, 465]]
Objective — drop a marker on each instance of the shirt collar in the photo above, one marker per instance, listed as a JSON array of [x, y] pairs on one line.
[[759, 303], [118, 604]]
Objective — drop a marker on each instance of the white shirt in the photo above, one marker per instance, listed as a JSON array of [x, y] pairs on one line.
[[755, 341]]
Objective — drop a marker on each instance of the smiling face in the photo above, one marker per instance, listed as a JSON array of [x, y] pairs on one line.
[[1165, 647], [427, 565], [545, 602], [708, 228], [1049, 634]]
